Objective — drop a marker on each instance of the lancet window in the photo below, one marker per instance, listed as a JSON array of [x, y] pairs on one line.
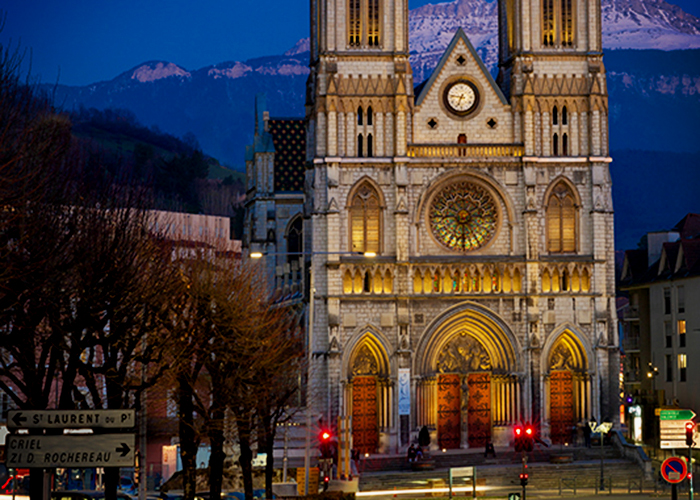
[[365, 219], [561, 220], [364, 21], [558, 23]]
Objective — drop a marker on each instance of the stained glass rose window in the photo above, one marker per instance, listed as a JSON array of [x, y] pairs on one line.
[[463, 216]]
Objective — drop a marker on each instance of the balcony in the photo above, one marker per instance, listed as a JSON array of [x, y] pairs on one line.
[[464, 150]]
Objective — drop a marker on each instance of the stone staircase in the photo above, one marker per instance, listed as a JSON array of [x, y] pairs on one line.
[[583, 471]]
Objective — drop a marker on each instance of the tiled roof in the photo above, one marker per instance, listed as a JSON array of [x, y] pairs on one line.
[[289, 138], [638, 271]]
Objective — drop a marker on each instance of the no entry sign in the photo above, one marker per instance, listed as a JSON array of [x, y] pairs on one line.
[[674, 470]]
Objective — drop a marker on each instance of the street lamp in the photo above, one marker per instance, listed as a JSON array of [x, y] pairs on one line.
[[310, 331]]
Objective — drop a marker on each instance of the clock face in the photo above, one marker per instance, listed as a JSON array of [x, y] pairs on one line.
[[461, 97]]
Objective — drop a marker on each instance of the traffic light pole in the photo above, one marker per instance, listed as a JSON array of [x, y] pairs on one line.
[[690, 474], [524, 483]]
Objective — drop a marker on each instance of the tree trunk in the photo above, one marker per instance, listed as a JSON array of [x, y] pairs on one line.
[[188, 438], [217, 457], [269, 449], [246, 458], [111, 482]]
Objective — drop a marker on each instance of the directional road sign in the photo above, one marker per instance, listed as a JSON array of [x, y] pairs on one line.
[[677, 415], [71, 419], [674, 470], [86, 450]]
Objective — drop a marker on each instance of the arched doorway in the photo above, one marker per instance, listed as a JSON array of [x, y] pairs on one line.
[[468, 385], [568, 390], [464, 388], [368, 393]]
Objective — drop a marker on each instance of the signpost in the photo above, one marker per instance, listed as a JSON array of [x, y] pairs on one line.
[[603, 428], [71, 419], [85, 450], [674, 470], [672, 427], [463, 472]]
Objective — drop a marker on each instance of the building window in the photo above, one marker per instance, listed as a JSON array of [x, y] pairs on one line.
[[682, 367], [681, 299], [364, 23], [365, 220], [369, 145], [681, 333], [555, 116], [565, 145], [359, 115], [564, 116], [555, 145], [669, 335], [561, 220], [294, 240], [667, 301], [669, 368], [557, 23], [360, 149]]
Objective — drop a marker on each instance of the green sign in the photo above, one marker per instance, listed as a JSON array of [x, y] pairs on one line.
[[514, 496], [676, 414]]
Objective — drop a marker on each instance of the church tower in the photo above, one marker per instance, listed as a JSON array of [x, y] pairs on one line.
[[459, 234]]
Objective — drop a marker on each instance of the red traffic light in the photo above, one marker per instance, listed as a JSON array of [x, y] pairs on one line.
[[529, 431], [518, 431], [325, 435]]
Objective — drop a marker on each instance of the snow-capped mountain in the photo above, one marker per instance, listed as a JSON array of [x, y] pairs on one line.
[[627, 24], [216, 102]]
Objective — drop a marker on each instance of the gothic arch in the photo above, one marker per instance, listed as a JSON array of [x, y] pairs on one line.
[[569, 336], [565, 363], [377, 344], [480, 323], [487, 181], [561, 221], [358, 185], [365, 217], [368, 389]]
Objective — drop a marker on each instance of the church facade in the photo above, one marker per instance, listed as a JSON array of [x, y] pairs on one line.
[[458, 234]]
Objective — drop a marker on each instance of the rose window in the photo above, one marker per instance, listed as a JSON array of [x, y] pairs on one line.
[[463, 216]]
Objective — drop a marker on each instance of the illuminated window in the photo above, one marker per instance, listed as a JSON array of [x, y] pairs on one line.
[[561, 220], [682, 367], [354, 22], [364, 18], [365, 220], [558, 23], [681, 333]]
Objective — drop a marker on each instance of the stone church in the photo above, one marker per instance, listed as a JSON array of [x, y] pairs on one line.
[[456, 235]]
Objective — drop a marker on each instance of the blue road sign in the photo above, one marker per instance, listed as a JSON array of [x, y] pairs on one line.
[[674, 470]]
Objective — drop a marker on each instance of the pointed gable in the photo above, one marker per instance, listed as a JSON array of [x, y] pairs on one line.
[[472, 58], [486, 119]]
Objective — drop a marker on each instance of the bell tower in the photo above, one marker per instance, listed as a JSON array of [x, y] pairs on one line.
[[360, 86], [551, 66]]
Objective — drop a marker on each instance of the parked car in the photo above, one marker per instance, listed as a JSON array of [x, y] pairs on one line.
[[85, 495]]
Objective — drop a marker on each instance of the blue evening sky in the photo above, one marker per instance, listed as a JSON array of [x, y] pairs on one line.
[[76, 42]]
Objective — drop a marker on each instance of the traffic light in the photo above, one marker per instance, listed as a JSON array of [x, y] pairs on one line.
[[689, 430], [518, 438], [325, 444], [528, 438], [523, 479]]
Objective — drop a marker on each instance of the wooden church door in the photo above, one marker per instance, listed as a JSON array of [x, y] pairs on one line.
[[365, 430]]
